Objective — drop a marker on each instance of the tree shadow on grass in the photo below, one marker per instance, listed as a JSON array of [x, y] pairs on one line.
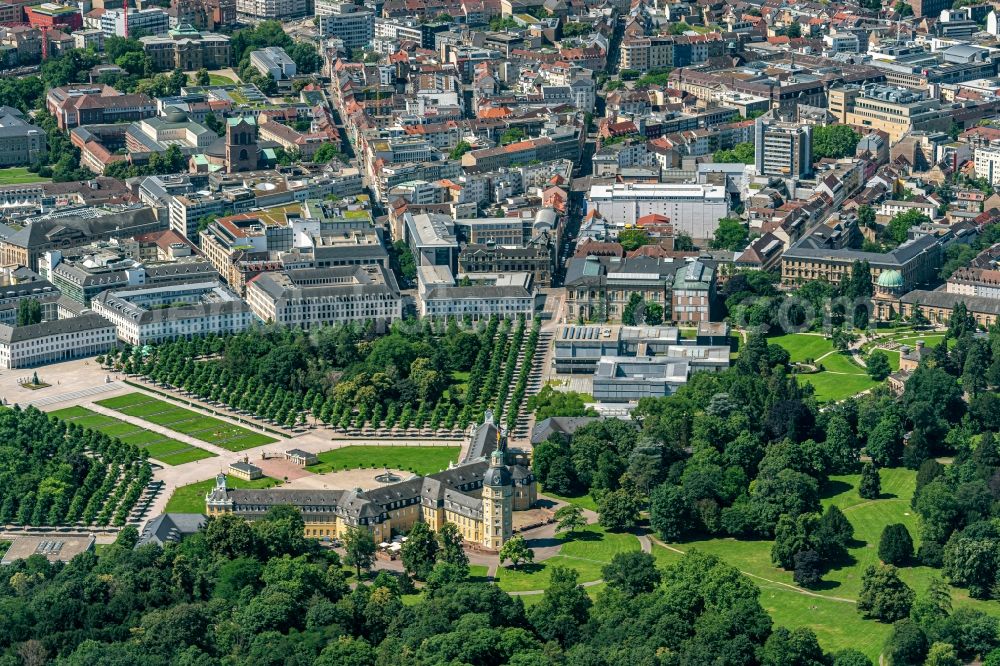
[[544, 542], [583, 536], [527, 567], [885, 496], [822, 586], [834, 487]]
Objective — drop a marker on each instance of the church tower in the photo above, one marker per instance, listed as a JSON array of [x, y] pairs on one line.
[[242, 152], [497, 502]]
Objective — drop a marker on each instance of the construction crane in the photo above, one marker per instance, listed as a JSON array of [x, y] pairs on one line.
[[43, 28]]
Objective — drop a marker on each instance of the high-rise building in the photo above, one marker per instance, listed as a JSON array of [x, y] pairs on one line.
[[782, 149]]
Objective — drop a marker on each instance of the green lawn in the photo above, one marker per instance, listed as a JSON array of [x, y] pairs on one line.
[[19, 176], [191, 498], [587, 552], [417, 459], [841, 376], [220, 80], [801, 346], [206, 428], [583, 501], [836, 622], [165, 449]]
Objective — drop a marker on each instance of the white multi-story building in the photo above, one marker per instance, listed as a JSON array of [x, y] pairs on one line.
[[53, 341], [187, 210], [314, 297], [694, 209], [340, 20], [842, 42], [271, 9], [782, 149], [141, 22], [275, 61], [506, 300], [987, 162], [145, 314]]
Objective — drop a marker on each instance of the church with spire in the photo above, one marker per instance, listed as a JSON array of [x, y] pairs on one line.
[[478, 495]]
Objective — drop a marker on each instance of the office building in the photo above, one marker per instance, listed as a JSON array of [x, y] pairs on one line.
[[627, 379], [893, 110], [54, 341], [141, 22], [147, 314], [782, 149], [917, 260], [94, 104], [346, 22], [21, 143], [275, 61], [311, 298], [693, 293], [55, 15], [508, 295], [188, 49], [432, 240], [693, 209]]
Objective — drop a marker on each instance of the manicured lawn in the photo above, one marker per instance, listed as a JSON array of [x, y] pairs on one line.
[[583, 501], [417, 459], [587, 552], [199, 426], [836, 623], [220, 80], [830, 387], [165, 449], [191, 498], [801, 346], [841, 376], [20, 175]]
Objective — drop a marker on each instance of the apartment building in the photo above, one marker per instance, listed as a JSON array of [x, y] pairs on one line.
[[274, 10], [321, 296], [987, 162], [146, 314], [782, 149]]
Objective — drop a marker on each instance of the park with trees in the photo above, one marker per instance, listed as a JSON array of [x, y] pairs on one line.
[[418, 375], [849, 502], [55, 473]]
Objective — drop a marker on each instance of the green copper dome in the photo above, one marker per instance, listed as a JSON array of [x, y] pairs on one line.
[[890, 279]]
